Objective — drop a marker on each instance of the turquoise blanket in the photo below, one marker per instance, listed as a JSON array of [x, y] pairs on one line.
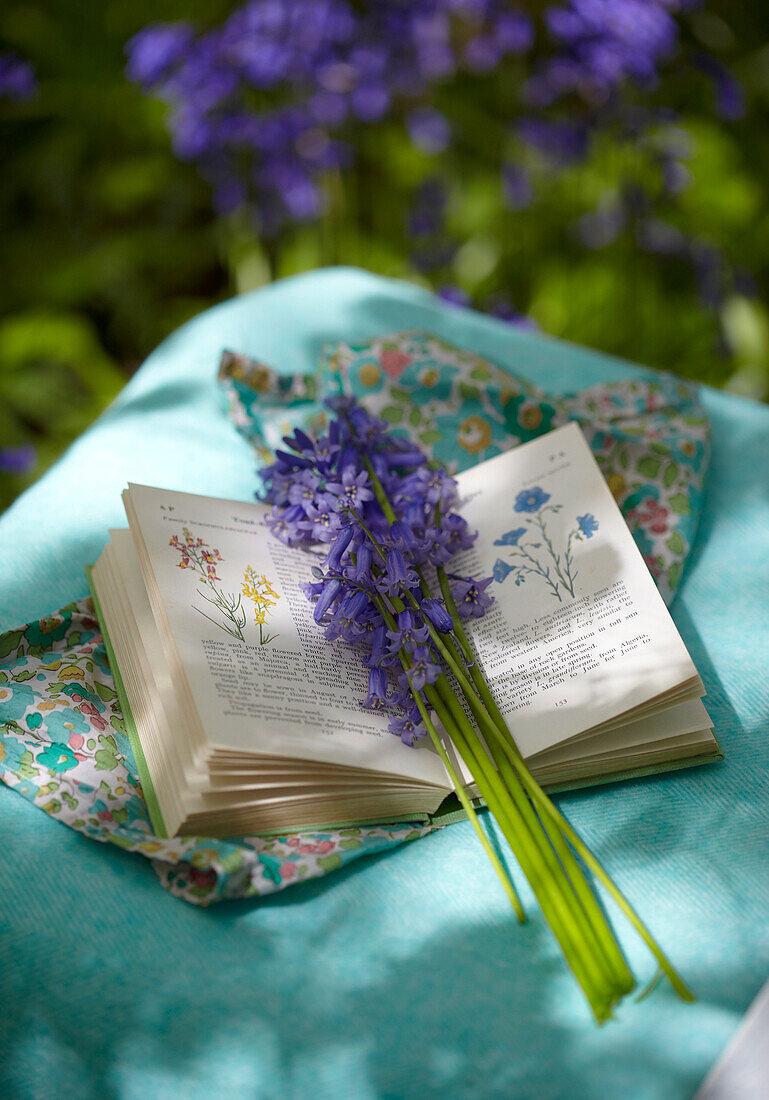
[[403, 975]]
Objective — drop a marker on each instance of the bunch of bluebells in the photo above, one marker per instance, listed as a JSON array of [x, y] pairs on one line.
[[384, 518], [386, 521], [263, 103], [273, 104]]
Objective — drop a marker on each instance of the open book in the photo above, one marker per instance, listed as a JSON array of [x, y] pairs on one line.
[[244, 719]]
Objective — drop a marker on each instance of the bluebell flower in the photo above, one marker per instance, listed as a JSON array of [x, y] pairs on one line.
[[377, 689], [436, 612], [306, 487], [588, 525], [409, 633], [17, 78], [155, 49], [437, 546], [287, 462], [351, 491], [510, 538], [17, 460], [339, 547], [460, 537], [398, 575], [312, 589], [300, 442], [360, 571], [428, 129], [471, 597], [409, 728], [401, 537], [424, 669], [531, 500], [434, 487], [325, 521], [279, 527], [326, 598], [381, 654]]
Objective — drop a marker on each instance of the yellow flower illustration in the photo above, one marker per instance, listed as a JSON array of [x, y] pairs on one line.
[[474, 434], [257, 588], [429, 377], [369, 374], [530, 416], [617, 485]]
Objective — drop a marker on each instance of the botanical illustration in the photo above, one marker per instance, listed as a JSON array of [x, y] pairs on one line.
[[258, 589], [532, 550], [198, 556]]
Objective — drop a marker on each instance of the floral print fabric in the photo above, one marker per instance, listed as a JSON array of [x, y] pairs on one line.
[[63, 746], [650, 435]]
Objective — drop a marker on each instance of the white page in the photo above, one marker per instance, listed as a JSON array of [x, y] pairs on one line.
[[291, 694], [560, 663]]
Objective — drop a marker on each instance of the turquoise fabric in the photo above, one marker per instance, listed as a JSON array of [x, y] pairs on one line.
[[405, 974], [650, 435]]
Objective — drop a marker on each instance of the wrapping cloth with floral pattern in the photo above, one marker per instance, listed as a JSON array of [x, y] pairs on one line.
[[62, 740], [650, 436], [63, 746]]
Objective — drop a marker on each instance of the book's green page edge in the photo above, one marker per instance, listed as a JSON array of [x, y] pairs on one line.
[[148, 789], [448, 812]]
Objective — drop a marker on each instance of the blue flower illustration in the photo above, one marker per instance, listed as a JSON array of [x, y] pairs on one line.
[[510, 538], [63, 723], [57, 757], [531, 500], [588, 525], [11, 752], [501, 569], [14, 701]]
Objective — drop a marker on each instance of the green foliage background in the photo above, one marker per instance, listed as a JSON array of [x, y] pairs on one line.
[[110, 243]]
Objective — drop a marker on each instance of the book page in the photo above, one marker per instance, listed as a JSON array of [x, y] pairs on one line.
[[578, 633], [262, 677]]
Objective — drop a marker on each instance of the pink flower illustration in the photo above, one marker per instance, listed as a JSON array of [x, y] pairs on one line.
[[90, 711], [651, 515], [394, 362]]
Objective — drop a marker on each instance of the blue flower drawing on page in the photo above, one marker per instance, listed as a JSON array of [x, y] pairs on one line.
[[531, 549]]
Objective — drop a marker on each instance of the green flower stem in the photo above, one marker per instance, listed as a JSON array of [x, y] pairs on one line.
[[573, 929], [457, 783], [379, 491], [541, 879], [581, 897], [551, 886], [597, 928], [555, 826], [469, 809], [548, 808], [677, 982]]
